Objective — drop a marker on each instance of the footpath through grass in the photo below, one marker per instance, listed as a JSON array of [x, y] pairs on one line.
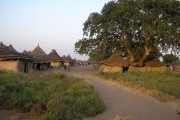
[[165, 85], [49, 95]]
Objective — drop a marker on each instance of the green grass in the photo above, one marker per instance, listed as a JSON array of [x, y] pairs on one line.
[[49, 95], [165, 82]]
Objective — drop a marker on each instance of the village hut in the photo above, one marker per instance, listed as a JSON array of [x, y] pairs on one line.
[[12, 60], [155, 65], [55, 59], [43, 60], [115, 63], [150, 66], [72, 62], [67, 62], [176, 66]]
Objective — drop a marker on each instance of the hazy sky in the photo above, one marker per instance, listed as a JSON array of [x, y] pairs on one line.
[[54, 24]]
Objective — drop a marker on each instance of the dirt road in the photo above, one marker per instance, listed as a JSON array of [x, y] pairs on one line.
[[122, 102]]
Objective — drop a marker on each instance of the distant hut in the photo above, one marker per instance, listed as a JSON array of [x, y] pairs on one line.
[[55, 59], [115, 63], [176, 66], [12, 60], [152, 65], [43, 60], [155, 65], [67, 62], [72, 62]]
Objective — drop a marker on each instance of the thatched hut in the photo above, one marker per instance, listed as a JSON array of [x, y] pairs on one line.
[[115, 63], [150, 66], [55, 59], [12, 60], [66, 60], [72, 62], [43, 60], [155, 65]]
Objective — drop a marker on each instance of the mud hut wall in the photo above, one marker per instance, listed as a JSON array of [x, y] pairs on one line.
[[44, 66], [55, 64], [10, 65], [106, 68], [151, 69], [21, 66], [145, 69], [30, 66]]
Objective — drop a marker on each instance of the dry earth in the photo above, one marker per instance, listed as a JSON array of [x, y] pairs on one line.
[[118, 101]]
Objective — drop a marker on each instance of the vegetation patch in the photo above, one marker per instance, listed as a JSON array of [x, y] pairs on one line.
[[165, 85], [49, 95]]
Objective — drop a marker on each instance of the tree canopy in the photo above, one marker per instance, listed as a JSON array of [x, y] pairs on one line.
[[136, 28]]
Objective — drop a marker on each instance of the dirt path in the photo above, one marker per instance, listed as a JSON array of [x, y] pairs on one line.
[[122, 102]]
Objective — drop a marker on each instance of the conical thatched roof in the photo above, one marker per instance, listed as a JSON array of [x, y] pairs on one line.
[[11, 48], [116, 60], [40, 54], [7, 53], [65, 59], [29, 54], [53, 56], [38, 51], [70, 59], [155, 63]]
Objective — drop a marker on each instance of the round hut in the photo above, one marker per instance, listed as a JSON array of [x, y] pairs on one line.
[[55, 59], [115, 63]]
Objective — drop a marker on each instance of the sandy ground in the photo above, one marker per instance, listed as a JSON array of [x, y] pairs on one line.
[[122, 102], [118, 101]]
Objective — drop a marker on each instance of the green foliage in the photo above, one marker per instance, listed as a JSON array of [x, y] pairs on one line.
[[165, 81], [51, 95], [168, 58], [133, 27]]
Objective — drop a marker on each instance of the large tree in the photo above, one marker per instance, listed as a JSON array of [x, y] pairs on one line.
[[134, 27]]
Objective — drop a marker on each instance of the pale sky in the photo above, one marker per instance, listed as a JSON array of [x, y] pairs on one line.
[[54, 24]]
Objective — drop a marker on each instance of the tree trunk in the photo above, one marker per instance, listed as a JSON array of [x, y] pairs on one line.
[[131, 55], [145, 55]]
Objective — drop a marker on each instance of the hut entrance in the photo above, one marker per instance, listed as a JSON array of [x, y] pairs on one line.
[[38, 66], [25, 67], [125, 69]]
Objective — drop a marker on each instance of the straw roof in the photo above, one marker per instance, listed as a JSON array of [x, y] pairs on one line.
[[38, 51], [53, 56], [7, 53], [70, 59], [155, 63], [116, 60], [11, 48], [40, 54], [65, 59]]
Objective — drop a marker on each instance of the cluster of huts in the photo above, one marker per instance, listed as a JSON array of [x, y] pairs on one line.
[[12, 60], [116, 63]]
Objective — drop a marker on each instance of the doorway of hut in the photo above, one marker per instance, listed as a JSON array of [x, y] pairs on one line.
[[125, 69], [25, 67], [38, 66]]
